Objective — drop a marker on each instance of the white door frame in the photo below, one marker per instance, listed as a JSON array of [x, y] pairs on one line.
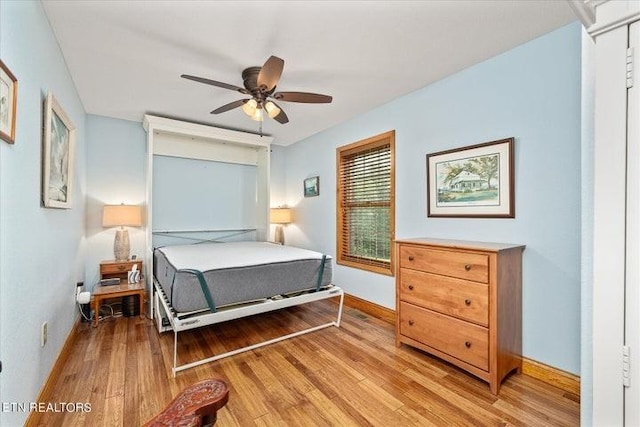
[[632, 288], [614, 247], [609, 200]]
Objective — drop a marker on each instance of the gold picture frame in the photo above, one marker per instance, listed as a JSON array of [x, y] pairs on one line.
[[8, 103], [57, 156]]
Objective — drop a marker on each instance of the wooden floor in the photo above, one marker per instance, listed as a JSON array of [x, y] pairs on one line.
[[348, 376]]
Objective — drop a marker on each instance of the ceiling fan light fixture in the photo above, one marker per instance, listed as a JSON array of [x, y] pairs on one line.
[[250, 107], [260, 85], [272, 109], [258, 114]]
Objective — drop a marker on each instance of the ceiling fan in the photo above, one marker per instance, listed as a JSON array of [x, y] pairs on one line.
[[260, 83]]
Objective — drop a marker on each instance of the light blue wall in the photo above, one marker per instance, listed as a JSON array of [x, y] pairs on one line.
[[531, 93], [278, 165], [41, 250], [203, 195], [191, 194], [116, 173]]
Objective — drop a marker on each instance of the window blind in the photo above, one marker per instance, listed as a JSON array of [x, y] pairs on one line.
[[365, 191]]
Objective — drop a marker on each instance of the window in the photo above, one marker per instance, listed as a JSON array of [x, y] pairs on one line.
[[366, 203]]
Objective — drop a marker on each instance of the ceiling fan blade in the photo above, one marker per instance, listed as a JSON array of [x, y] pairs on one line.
[[281, 117], [309, 98], [270, 73], [214, 83], [229, 106]]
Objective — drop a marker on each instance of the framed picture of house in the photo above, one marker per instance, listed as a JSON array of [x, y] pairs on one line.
[[8, 100], [312, 186], [475, 181], [57, 155]]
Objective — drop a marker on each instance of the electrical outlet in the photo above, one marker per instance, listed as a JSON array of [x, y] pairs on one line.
[[43, 335], [79, 286]]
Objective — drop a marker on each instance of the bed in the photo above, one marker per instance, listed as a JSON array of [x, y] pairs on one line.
[[203, 284]]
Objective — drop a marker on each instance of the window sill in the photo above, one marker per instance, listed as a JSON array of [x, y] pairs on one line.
[[366, 267]]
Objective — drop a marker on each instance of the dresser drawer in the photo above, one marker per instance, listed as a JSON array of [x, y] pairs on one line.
[[464, 265], [455, 297], [462, 340], [118, 268]]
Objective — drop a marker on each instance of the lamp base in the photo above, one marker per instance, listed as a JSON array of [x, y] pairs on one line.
[[278, 236], [121, 246]]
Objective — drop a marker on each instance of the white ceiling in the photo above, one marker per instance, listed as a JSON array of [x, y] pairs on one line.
[[126, 57]]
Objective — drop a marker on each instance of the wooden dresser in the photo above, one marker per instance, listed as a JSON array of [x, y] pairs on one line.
[[462, 301]]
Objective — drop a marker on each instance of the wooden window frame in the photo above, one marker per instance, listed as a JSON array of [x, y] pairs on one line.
[[387, 138]]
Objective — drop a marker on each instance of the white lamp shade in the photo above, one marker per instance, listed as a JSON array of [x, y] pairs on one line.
[[249, 107], [280, 215], [258, 115], [121, 215], [272, 109]]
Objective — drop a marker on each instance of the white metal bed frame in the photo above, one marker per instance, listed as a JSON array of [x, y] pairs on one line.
[[178, 325], [175, 138]]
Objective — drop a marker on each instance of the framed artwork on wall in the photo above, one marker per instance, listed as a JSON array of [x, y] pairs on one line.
[[8, 102], [57, 155], [312, 186], [475, 181]]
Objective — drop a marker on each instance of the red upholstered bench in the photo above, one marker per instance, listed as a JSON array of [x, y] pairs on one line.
[[195, 406]]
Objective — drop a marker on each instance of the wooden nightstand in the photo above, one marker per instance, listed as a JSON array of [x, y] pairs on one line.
[[116, 291], [117, 269]]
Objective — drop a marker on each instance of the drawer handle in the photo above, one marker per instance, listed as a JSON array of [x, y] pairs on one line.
[[410, 258], [467, 267], [411, 322], [122, 267], [467, 344], [467, 302], [410, 287]]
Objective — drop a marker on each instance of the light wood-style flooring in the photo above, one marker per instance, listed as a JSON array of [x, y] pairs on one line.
[[348, 376]]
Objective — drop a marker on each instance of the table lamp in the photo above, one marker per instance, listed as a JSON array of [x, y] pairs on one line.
[[121, 216], [280, 216]]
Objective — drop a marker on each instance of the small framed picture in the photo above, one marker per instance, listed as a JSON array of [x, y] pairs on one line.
[[312, 186], [8, 100]]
